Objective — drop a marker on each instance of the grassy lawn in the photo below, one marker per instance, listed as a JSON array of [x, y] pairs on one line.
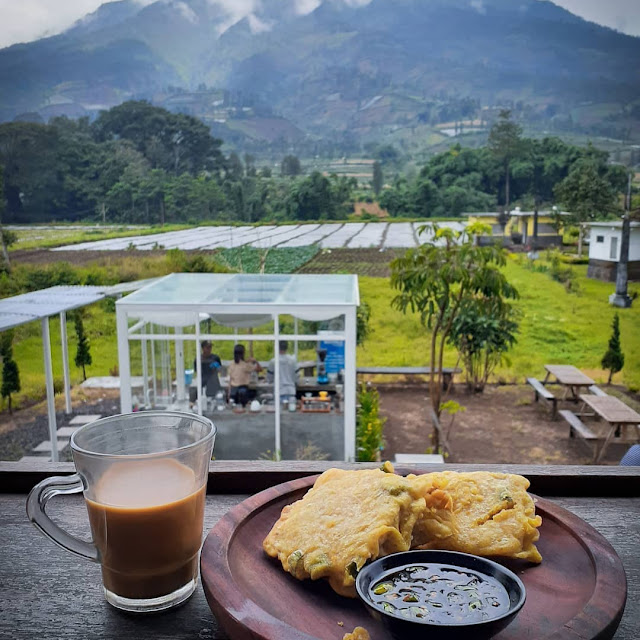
[[100, 325], [555, 327]]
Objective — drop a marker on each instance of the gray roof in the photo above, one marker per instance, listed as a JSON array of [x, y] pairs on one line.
[[45, 303], [614, 224]]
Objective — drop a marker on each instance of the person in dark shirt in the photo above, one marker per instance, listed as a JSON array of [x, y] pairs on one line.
[[211, 364]]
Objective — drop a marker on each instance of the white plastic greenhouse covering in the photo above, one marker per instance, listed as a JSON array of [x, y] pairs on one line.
[[330, 235]]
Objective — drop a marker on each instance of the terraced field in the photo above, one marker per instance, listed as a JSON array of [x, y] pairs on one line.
[[351, 235]]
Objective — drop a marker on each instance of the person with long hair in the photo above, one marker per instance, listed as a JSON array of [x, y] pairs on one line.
[[240, 371]]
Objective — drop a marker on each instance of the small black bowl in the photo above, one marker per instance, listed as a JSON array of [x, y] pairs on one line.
[[406, 629]]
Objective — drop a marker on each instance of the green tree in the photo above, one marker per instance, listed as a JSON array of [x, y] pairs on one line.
[[613, 359], [437, 278], [586, 193], [234, 169], [363, 324], [397, 199], [32, 183], [425, 197], [483, 331], [290, 166], [316, 198], [504, 142], [10, 372], [378, 178], [83, 354], [174, 142], [3, 233]]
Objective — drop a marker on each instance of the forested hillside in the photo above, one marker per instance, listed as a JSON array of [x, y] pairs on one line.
[[138, 163]]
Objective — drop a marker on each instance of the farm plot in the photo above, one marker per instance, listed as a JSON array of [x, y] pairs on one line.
[[340, 237], [287, 233], [239, 237], [400, 235], [370, 236], [334, 235], [139, 242], [364, 262], [310, 236], [230, 238]]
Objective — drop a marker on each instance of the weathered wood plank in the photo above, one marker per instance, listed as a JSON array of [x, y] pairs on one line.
[[47, 592], [251, 476]]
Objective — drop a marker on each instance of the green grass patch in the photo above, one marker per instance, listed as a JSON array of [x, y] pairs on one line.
[[556, 327]]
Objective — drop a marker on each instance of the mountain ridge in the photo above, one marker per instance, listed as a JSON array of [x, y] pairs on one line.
[[319, 69]]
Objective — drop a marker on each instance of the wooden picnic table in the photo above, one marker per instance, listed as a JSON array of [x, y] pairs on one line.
[[49, 593], [617, 414], [570, 377]]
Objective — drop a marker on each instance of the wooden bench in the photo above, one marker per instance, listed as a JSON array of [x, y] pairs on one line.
[[540, 391], [577, 426], [597, 391], [447, 372]]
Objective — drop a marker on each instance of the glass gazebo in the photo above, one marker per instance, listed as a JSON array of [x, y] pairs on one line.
[[161, 330]]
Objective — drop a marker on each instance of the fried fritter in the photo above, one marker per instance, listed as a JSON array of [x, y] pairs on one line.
[[346, 519], [359, 633], [486, 514]]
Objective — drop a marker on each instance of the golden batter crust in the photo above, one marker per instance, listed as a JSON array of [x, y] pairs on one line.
[[346, 519], [489, 514]]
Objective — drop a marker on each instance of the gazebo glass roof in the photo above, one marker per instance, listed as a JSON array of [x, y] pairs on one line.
[[219, 290]]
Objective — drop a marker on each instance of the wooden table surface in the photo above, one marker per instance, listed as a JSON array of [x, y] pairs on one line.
[[612, 409], [46, 592], [568, 375]]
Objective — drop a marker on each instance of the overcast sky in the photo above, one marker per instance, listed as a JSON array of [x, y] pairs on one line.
[[25, 20]]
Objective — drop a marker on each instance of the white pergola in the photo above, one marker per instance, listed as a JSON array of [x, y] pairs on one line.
[[181, 300], [42, 305]]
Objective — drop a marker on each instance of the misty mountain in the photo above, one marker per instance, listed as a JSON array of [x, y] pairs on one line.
[[340, 67]]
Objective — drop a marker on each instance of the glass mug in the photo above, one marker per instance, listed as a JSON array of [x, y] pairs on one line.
[[144, 478]]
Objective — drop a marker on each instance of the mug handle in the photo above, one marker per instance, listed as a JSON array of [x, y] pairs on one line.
[[36, 503]]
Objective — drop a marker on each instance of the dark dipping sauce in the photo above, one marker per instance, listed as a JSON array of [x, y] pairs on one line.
[[441, 594]]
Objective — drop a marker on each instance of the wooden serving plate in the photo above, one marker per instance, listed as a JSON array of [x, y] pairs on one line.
[[577, 593]]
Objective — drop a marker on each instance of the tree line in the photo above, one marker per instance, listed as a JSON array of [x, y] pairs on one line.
[[137, 163], [142, 164], [510, 169]]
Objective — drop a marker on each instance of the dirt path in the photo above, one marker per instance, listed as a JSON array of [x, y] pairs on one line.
[[503, 426], [500, 426]]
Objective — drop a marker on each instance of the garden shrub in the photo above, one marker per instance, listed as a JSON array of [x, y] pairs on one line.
[[369, 425]]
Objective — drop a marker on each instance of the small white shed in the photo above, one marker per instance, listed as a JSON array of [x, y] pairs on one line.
[[605, 240]]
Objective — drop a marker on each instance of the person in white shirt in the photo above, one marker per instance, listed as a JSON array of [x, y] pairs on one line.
[[288, 372]]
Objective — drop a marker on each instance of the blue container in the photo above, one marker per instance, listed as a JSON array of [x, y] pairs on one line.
[[188, 376]]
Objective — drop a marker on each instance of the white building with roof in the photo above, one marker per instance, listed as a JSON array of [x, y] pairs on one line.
[[605, 241]]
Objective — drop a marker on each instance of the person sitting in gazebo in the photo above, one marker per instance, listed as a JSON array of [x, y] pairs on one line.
[[211, 364], [240, 371], [288, 372]]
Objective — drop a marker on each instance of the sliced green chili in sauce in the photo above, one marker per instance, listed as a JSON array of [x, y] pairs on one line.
[[440, 594]]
